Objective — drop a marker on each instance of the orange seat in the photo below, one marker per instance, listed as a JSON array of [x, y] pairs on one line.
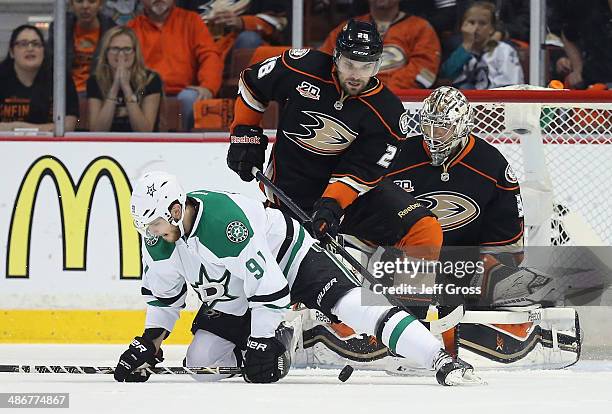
[[265, 52]]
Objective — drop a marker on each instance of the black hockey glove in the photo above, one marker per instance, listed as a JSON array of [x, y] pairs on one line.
[[247, 150], [264, 360], [140, 354], [326, 217]]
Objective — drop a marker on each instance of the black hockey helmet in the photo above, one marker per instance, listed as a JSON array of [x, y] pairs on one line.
[[360, 41]]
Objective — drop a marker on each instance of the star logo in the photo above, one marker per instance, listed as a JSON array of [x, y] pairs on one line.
[[210, 290], [151, 190], [237, 232]]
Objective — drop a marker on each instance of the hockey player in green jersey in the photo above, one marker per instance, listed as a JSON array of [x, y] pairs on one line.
[[248, 264]]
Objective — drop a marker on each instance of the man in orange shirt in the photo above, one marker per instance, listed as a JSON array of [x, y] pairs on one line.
[[177, 45], [411, 53]]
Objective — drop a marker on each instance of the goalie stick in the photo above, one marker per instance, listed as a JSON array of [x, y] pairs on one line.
[[79, 369], [436, 327]]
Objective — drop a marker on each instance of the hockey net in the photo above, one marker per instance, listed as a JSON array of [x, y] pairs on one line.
[[559, 144]]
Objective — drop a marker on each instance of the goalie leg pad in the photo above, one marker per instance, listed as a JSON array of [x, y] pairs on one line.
[[550, 340]]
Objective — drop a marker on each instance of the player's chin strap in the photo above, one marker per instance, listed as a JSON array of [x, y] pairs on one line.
[[436, 327]]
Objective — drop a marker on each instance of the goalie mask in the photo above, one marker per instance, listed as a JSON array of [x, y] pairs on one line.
[[153, 195], [446, 121]]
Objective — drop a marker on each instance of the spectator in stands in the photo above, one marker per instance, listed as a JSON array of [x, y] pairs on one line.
[[242, 24], [85, 26], [587, 40], [123, 95], [122, 11], [513, 23], [411, 54], [481, 62], [26, 85], [177, 44]]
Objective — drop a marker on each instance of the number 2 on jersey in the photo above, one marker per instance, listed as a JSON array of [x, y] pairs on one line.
[[387, 157]]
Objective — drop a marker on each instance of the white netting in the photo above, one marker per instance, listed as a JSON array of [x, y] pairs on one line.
[[575, 137]]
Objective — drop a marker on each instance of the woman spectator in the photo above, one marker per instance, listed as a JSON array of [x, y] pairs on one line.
[[26, 85], [123, 95], [481, 62], [84, 28]]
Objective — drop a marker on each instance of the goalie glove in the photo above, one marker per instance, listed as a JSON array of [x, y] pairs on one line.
[[140, 354], [247, 150], [503, 286]]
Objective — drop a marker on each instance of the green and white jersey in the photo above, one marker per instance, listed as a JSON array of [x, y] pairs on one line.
[[239, 255]]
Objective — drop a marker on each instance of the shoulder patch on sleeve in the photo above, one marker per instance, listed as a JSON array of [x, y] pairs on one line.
[[404, 122], [224, 228], [510, 175], [298, 53]]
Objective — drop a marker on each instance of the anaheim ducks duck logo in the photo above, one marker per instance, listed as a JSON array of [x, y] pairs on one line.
[[454, 210], [326, 136], [393, 57]]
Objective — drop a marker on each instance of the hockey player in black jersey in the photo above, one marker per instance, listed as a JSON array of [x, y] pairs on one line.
[[475, 194], [466, 182], [338, 133], [463, 179]]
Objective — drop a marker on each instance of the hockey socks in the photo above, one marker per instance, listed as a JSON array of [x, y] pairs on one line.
[[404, 335]]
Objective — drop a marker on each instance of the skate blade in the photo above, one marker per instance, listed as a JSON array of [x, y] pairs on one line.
[[468, 378]]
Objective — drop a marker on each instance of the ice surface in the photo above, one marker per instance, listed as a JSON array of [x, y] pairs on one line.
[[585, 387]]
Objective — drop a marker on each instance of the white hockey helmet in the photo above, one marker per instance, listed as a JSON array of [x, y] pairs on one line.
[[153, 195], [446, 121]]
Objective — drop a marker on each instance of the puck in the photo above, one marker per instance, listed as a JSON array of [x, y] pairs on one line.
[[345, 373]]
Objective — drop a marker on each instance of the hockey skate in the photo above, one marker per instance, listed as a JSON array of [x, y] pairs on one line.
[[451, 371]]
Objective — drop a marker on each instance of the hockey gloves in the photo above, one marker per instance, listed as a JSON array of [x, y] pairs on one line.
[[326, 218], [140, 354], [247, 150], [265, 360]]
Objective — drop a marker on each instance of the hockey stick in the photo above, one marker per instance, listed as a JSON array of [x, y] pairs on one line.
[[436, 327], [77, 369]]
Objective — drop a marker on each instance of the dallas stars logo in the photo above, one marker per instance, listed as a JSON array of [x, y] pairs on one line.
[[237, 232], [151, 190], [211, 291]]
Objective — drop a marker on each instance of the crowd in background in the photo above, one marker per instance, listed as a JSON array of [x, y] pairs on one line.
[[126, 59]]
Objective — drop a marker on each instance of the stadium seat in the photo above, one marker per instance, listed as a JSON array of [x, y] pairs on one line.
[[170, 117]]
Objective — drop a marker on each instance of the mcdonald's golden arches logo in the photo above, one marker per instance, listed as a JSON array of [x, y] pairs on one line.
[[75, 206]]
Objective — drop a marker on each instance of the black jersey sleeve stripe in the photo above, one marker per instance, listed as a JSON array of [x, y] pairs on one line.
[[399, 138], [249, 97], [272, 297], [410, 167], [310, 75], [288, 238], [166, 301]]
